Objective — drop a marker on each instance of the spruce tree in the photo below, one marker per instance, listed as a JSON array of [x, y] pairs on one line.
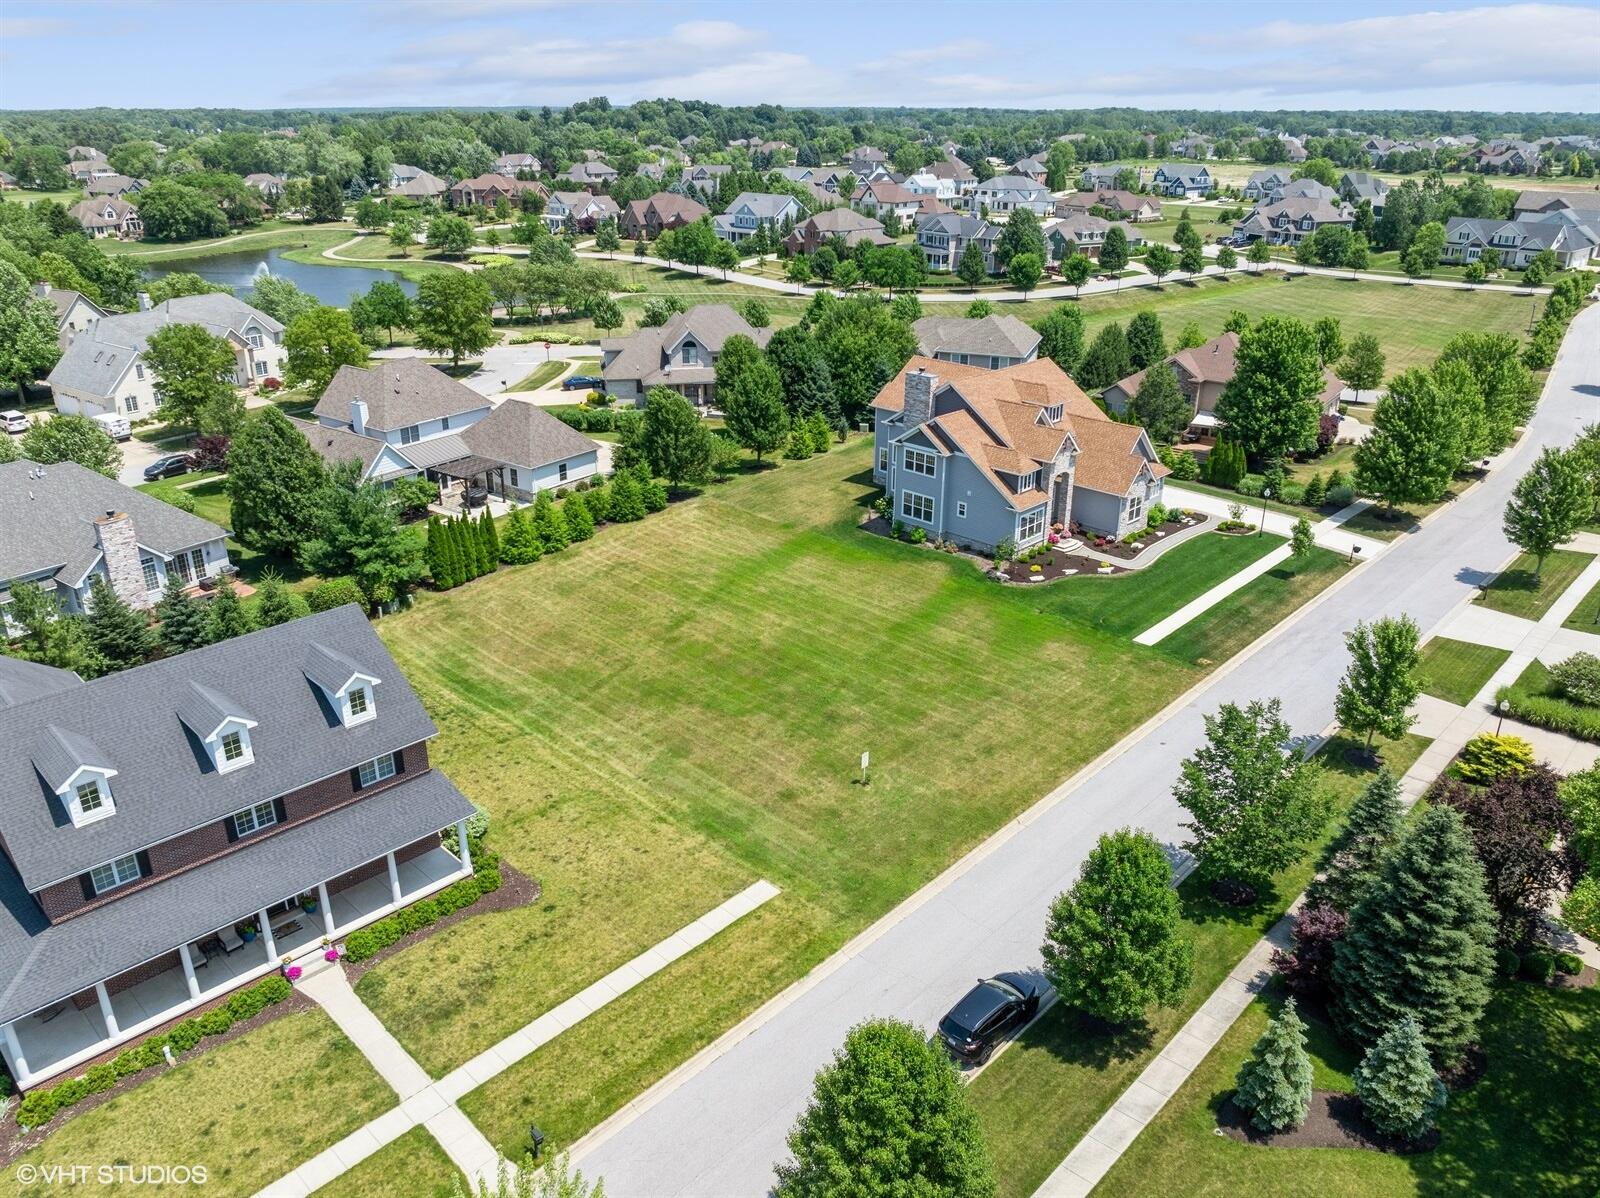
[[1396, 1083], [276, 603], [1113, 943], [550, 524], [651, 491], [228, 615], [627, 503], [184, 625], [821, 433], [491, 539], [1421, 942], [580, 521], [1274, 1084], [1370, 830], [120, 636]]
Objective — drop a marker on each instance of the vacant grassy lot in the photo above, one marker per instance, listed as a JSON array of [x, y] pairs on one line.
[[249, 1110], [1455, 671], [1518, 591], [414, 1166], [1531, 1126], [1040, 1097]]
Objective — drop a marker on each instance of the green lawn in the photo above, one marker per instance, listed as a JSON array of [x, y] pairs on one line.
[[267, 235], [414, 1166], [1380, 522], [546, 372], [1531, 1126], [1518, 592], [1455, 671], [1043, 1094], [66, 198], [249, 1110], [1586, 616], [1216, 635]]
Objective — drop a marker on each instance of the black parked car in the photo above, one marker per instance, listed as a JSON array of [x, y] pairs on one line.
[[991, 1011], [583, 382], [173, 463]]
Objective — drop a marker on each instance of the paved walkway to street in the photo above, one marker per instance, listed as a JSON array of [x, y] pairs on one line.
[[432, 1104]]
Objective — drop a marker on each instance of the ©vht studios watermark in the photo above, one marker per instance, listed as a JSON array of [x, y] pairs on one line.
[[121, 1174]]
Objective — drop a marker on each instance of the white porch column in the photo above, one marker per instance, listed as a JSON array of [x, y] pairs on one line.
[[461, 843], [327, 909], [267, 937], [106, 1012], [394, 879], [19, 1063], [188, 973]]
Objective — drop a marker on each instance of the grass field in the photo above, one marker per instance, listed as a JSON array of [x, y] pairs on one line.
[[249, 1110], [1518, 592], [1586, 616], [1218, 634], [1037, 1099], [66, 198], [1531, 1126], [265, 236], [414, 1166], [1455, 671], [546, 372]]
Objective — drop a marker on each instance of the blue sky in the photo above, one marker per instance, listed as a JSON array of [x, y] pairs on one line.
[[238, 53]]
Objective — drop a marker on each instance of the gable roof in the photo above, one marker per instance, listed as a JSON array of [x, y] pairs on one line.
[[48, 515], [996, 336], [337, 445], [21, 680], [763, 205], [639, 355], [520, 433], [398, 392], [886, 191], [421, 184]]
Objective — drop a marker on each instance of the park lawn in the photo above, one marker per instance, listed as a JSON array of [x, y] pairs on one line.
[[413, 1166], [268, 234], [249, 1110], [545, 373], [1038, 1098], [1216, 635], [1455, 671], [1518, 592], [368, 252], [66, 198], [1531, 1125], [1586, 616]]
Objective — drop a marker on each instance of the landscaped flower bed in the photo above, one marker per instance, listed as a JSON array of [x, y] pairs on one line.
[[1137, 543], [1049, 564]]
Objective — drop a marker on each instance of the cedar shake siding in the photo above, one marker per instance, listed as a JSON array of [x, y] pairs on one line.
[[161, 861]]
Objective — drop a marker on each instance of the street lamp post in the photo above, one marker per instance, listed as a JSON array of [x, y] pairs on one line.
[[1266, 494], [1503, 706]]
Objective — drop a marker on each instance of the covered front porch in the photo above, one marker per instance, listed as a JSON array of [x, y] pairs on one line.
[[78, 1029]]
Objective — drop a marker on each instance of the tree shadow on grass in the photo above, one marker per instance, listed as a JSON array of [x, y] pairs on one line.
[[1075, 1038], [1522, 582]]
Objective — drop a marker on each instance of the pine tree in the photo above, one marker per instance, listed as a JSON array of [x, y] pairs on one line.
[[1421, 942], [799, 447], [1275, 1082], [1113, 943], [1370, 830], [521, 543], [550, 524], [651, 491], [821, 433], [455, 565], [184, 625], [120, 636], [1396, 1083], [276, 603], [473, 531], [580, 520], [627, 503], [229, 616], [490, 536]]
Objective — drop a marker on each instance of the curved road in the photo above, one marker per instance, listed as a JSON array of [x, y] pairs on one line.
[[717, 1126]]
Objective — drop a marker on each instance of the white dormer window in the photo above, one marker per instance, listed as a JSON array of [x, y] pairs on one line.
[[230, 746], [88, 797], [358, 704]]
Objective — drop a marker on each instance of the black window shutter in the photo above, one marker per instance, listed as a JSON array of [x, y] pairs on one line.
[[399, 761], [231, 828], [88, 886], [280, 811], [355, 779], [144, 864]]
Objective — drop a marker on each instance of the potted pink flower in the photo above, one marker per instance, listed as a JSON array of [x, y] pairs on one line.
[[330, 951], [292, 973]]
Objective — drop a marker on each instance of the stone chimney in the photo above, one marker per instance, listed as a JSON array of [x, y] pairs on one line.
[[144, 301], [120, 549], [358, 417], [919, 396]]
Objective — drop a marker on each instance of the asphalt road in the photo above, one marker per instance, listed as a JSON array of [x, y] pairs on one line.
[[719, 1130]]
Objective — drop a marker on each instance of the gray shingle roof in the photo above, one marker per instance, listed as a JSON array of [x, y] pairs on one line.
[[41, 964], [710, 324], [335, 445], [398, 392], [165, 785], [520, 433], [48, 520], [21, 680], [763, 205], [58, 753], [1003, 336]]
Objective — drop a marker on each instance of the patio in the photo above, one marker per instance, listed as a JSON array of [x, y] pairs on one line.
[[71, 1035]]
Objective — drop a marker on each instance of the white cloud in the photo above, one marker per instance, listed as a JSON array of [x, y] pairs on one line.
[[20, 27]]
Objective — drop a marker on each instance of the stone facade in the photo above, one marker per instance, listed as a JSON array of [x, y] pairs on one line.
[[119, 546]]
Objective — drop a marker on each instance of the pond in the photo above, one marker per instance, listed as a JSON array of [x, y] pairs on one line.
[[331, 284]]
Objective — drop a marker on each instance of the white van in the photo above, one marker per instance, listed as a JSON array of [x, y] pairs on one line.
[[13, 421], [116, 427]]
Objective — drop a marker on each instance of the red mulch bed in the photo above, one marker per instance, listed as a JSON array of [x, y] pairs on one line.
[[14, 1141], [1054, 564], [516, 890], [1115, 548], [1334, 1120]]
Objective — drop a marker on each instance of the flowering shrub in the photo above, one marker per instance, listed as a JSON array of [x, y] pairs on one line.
[[270, 384], [293, 973]]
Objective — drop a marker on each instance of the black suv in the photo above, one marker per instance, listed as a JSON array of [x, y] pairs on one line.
[[989, 1012]]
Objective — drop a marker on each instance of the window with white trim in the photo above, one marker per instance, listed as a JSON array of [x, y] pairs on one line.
[[916, 507], [115, 873], [561, 472], [376, 770], [359, 702], [409, 435], [253, 819], [261, 370], [511, 472], [138, 371], [90, 798], [131, 403], [1030, 525], [152, 579], [233, 747], [961, 510], [883, 460], [1135, 506], [920, 462], [255, 340], [1027, 482]]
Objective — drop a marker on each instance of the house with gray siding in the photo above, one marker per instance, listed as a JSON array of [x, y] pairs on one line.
[[680, 355], [1181, 180], [980, 456], [751, 210], [178, 830], [944, 237]]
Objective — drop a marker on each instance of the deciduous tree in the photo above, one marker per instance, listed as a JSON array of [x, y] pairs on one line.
[[317, 344], [1381, 684], [28, 345], [273, 473], [1272, 404], [676, 441], [72, 438], [1545, 510], [1416, 445], [1061, 336], [194, 372], [452, 315], [1159, 405], [1363, 363]]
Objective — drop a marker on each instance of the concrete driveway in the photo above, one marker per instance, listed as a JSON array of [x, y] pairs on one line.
[[136, 455], [717, 1126]]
